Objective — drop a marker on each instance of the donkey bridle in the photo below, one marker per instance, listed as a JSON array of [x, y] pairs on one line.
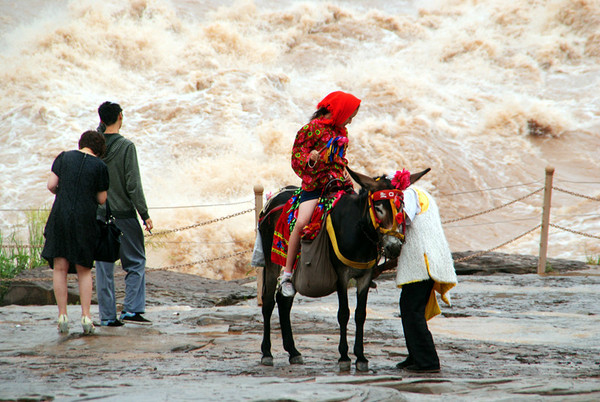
[[396, 199]]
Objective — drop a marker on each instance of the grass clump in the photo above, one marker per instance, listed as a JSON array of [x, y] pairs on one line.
[[15, 255], [592, 260]]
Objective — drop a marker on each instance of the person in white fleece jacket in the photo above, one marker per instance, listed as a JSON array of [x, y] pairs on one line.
[[424, 267]]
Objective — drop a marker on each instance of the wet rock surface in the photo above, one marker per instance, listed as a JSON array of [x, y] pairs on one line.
[[494, 262], [168, 287], [163, 287], [505, 337]]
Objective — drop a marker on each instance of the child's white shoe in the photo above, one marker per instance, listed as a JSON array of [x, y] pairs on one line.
[[87, 325], [63, 324]]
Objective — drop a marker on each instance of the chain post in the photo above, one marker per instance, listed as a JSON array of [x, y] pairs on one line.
[[541, 270], [258, 201]]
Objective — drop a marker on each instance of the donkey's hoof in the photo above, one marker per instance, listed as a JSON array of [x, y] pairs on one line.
[[266, 361], [345, 365], [296, 360], [362, 366]]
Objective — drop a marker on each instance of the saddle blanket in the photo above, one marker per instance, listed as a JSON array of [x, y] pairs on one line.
[[287, 221]]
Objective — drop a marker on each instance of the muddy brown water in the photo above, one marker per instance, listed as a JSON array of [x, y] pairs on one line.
[[505, 337]]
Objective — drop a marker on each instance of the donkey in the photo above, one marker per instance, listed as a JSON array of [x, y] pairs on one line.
[[359, 239]]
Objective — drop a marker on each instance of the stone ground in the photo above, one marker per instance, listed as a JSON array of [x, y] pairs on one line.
[[506, 337]]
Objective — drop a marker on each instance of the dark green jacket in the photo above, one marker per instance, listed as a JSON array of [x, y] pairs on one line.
[[125, 192]]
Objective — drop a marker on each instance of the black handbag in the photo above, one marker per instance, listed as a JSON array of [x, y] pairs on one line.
[[108, 246]]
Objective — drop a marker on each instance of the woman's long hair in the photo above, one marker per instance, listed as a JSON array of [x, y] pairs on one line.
[[322, 111]]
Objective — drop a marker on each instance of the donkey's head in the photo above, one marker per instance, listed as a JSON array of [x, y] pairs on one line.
[[385, 203]]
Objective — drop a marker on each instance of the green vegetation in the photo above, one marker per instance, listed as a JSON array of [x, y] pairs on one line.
[[16, 256], [592, 259]]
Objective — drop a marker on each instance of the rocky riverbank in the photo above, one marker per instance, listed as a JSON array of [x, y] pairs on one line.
[[507, 336], [166, 288]]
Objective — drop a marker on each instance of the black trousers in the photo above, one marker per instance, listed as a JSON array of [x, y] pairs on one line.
[[419, 342]]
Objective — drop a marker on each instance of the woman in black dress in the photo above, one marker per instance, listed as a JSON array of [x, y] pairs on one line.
[[80, 181]]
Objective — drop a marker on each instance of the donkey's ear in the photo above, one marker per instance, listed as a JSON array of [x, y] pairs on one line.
[[364, 181], [416, 176]]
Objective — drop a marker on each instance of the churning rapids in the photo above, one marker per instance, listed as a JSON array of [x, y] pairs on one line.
[[486, 93]]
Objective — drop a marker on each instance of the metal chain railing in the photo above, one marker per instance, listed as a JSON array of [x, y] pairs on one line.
[[526, 233], [574, 231], [148, 269], [17, 246], [493, 209], [198, 224], [478, 254], [190, 264], [576, 194], [163, 232], [466, 258], [150, 208]]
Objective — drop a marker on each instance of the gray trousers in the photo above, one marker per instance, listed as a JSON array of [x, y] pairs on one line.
[[133, 260]]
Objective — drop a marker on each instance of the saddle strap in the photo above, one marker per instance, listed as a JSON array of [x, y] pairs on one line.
[[336, 249]]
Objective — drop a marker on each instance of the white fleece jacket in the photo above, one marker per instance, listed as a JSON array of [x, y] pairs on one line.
[[426, 253]]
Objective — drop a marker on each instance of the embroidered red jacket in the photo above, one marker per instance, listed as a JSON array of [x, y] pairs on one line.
[[316, 135]]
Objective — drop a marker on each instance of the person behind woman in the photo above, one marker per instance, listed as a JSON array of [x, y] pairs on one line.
[[318, 156], [80, 181]]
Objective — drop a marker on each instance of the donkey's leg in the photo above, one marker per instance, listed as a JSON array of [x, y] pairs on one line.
[[360, 315], [343, 316], [284, 304], [268, 304], [265, 347]]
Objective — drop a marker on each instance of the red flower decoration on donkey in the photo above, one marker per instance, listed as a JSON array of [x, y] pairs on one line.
[[401, 179]]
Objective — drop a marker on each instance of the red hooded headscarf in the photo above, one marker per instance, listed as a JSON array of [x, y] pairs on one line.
[[341, 106]]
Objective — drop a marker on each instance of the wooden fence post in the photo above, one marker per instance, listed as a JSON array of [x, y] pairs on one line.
[[258, 203], [541, 270]]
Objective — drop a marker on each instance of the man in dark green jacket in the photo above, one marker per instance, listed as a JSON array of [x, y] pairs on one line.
[[126, 200]]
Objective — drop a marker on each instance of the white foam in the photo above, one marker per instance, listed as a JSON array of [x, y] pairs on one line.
[[213, 97]]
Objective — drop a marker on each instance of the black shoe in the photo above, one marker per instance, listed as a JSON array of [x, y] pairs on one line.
[[405, 363], [134, 318], [415, 369], [112, 323]]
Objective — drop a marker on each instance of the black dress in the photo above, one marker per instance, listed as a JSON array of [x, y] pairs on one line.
[[71, 231]]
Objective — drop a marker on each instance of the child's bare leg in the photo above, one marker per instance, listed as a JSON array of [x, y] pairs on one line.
[[305, 211]]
